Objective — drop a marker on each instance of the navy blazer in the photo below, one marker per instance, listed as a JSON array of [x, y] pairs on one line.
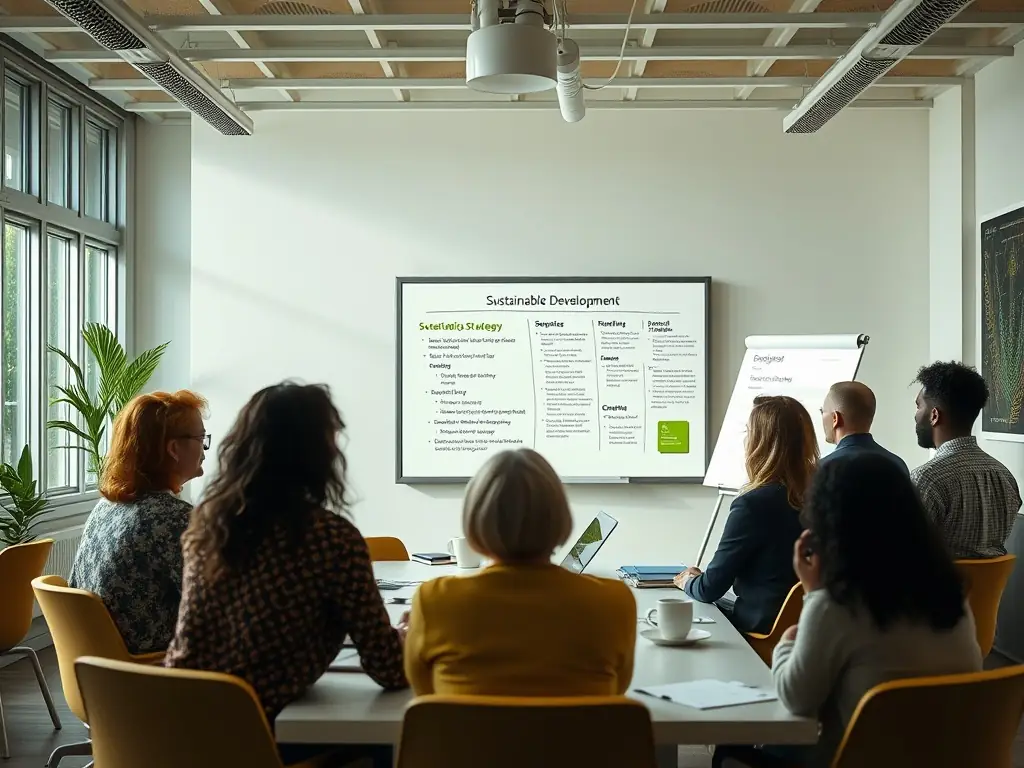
[[856, 445], [754, 557]]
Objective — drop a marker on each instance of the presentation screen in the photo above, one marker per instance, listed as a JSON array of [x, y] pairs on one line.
[[606, 377], [803, 367]]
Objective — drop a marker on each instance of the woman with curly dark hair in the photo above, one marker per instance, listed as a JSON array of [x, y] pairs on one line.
[[883, 599], [274, 577]]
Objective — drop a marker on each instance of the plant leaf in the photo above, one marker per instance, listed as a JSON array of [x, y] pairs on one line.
[[135, 376]]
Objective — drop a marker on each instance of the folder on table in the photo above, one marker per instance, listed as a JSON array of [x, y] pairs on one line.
[[648, 576]]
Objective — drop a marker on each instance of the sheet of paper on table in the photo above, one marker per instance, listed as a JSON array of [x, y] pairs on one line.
[[346, 661], [709, 694]]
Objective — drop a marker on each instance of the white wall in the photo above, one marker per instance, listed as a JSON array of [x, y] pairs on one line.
[[299, 232], [163, 248]]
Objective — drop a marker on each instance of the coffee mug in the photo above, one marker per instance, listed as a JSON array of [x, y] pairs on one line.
[[465, 557], [674, 617]]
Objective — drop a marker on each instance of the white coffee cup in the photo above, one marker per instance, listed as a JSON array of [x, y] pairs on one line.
[[465, 557], [674, 617]]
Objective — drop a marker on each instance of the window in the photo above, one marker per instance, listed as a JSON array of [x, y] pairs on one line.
[[97, 163], [62, 261], [16, 134], [62, 332], [58, 152], [14, 313]]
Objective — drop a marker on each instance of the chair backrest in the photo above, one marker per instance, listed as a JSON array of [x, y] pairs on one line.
[[169, 718], [789, 615], [19, 564], [939, 722], [507, 732], [386, 548], [80, 625], [986, 579]]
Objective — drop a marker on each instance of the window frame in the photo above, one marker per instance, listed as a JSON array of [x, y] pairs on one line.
[[113, 233]]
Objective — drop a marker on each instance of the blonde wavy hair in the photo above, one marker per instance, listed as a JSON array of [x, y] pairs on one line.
[[781, 446]]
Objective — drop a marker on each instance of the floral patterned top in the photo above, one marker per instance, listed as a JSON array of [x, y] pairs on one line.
[[130, 556], [281, 621]]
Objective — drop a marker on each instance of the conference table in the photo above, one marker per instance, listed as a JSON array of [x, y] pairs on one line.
[[348, 708]]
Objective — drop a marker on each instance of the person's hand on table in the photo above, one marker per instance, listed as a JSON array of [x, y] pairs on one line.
[[790, 634], [807, 562], [403, 626], [681, 579]]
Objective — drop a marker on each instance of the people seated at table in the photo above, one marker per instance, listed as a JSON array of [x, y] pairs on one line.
[[275, 574], [846, 416], [130, 555], [883, 599], [523, 626], [754, 556], [969, 496]]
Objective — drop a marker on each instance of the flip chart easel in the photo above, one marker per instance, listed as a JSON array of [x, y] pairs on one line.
[[802, 367]]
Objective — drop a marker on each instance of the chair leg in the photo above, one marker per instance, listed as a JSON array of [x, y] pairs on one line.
[[43, 687], [69, 750], [4, 751]]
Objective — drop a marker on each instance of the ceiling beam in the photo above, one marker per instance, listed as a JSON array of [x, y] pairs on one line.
[[455, 84], [460, 22], [646, 41], [661, 53], [776, 38], [474, 106], [359, 8], [244, 40]]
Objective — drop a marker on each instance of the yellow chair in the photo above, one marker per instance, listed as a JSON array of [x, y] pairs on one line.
[[986, 579], [172, 718], [80, 625], [953, 721], [507, 732], [789, 615], [386, 548], [19, 564]]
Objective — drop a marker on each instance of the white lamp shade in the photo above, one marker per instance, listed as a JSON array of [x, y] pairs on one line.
[[511, 58]]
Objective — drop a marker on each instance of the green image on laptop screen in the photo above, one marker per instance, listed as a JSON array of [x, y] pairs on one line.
[[586, 546]]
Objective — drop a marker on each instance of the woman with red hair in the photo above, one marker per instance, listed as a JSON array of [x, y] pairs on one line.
[[130, 555]]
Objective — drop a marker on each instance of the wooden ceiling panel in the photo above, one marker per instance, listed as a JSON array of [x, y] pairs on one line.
[[339, 69], [158, 96], [996, 5], [168, 7], [695, 69], [455, 70], [853, 6], [115, 71], [292, 7], [229, 70], [29, 8], [68, 41], [421, 6]]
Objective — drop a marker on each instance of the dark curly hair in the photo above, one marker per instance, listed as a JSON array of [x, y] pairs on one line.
[[879, 552], [278, 465], [957, 390]]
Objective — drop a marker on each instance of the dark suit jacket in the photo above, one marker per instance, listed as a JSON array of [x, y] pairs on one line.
[[856, 445], [754, 557]]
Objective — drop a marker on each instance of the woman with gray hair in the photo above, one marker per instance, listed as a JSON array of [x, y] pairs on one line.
[[523, 626]]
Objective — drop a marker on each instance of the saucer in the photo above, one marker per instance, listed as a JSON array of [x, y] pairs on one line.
[[695, 636]]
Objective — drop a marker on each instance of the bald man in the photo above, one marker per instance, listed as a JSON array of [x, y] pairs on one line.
[[846, 415]]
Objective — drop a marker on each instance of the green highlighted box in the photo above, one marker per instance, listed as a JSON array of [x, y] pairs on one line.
[[673, 437]]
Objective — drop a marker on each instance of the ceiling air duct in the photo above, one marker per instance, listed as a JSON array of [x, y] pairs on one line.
[[902, 28], [116, 27]]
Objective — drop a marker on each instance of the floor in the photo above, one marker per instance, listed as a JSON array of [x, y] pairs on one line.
[[32, 737]]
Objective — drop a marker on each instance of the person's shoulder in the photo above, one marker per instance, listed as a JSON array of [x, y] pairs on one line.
[[926, 472], [605, 588], [770, 495], [162, 502], [337, 530]]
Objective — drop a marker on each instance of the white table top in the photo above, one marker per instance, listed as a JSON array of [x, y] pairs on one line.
[[348, 708]]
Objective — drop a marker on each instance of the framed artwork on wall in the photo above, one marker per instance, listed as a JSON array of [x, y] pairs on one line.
[[1001, 325]]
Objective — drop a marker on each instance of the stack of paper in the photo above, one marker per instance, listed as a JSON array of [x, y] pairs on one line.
[[709, 694], [641, 576]]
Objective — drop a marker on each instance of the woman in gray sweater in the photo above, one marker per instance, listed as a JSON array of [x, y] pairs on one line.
[[883, 599]]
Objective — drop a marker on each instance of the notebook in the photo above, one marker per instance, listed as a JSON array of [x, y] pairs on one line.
[[709, 694], [433, 558]]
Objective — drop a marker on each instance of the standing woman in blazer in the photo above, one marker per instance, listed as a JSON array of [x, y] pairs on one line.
[[755, 555]]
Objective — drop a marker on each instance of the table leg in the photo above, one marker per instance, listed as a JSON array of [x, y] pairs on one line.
[[667, 755]]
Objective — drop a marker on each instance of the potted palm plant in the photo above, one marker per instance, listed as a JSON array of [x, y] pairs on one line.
[[119, 381], [24, 506]]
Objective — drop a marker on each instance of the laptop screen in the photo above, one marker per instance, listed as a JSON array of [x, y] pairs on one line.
[[586, 546]]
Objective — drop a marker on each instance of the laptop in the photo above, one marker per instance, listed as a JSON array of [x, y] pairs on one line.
[[592, 539]]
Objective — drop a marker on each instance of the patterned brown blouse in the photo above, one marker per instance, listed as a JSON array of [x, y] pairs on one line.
[[280, 624]]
